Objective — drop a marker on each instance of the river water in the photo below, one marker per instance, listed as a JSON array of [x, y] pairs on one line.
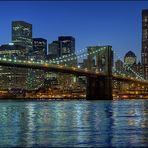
[[121, 123]]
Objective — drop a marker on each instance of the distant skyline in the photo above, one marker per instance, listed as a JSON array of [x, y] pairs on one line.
[[118, 24]]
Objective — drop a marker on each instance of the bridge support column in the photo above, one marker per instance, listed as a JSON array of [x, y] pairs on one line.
[[99, 88]]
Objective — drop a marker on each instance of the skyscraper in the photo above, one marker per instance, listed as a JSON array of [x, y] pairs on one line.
[[12, 77], [66, 45], [22, 34], [53, 50], [39, 48], [144, 53]]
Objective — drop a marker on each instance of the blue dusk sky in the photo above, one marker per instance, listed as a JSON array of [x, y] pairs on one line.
[[115, 23]]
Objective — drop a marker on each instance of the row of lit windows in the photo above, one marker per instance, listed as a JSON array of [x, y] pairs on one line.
[[22, 33], [66, 50], [10, 52], [20, 38], [39, 44], [19, 27]]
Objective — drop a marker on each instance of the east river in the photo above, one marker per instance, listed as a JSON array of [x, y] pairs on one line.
[[122, 123]]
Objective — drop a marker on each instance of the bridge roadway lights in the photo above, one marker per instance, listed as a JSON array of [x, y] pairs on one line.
[[99, 88]]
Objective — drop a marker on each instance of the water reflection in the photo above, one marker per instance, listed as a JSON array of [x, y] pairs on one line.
[[74, 123], [129, 126]]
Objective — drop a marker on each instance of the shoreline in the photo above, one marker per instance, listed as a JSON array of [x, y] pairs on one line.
[[67, 99]]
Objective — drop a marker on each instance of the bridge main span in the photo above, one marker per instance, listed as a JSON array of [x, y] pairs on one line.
[[99, 86], [102, 84]]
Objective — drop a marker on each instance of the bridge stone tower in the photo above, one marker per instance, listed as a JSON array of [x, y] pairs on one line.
[[100, 87]]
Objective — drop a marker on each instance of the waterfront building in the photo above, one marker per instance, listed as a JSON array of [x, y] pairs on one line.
[[22, 34], [130, 58], [144, 52], [130, 62], [12, 77], [39, 51], [13, 51], [53, 50], [66, 45], [139, 68], [35, 78]]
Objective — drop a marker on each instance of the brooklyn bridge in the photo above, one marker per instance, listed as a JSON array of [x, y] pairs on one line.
[[104, 81]]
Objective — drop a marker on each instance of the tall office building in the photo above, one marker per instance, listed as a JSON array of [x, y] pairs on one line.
[[22, 34], [53, 50], [12, 77], [36, 77], [144, 53], [66, 45], [39, 48]]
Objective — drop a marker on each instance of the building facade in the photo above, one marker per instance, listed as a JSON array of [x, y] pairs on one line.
[[119, 66], [139, 68], [39, 48], [130, 58], [53, 50], [12, 77], [66, 45], [22, 34], [144, 53], [35, 78]]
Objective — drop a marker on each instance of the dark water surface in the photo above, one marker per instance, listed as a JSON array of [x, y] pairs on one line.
[[74, 123]]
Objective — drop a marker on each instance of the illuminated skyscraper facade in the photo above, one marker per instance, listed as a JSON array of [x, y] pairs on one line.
[[12, 77], [39, 48], [66, 45], [53, 50], [22, 34], [144, 53]]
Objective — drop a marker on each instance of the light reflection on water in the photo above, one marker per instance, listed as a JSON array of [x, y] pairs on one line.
[[74, 123]]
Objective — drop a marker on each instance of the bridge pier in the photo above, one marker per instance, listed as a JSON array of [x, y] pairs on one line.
[[99, 88]]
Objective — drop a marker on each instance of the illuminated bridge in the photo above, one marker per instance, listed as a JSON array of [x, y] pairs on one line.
[[104, 80]]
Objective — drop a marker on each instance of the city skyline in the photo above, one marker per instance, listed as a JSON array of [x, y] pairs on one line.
[[73, 18]]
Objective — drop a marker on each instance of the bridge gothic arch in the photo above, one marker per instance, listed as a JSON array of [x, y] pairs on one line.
[[100, 87]]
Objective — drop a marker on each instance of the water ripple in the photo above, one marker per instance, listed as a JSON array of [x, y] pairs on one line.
[[74, 123]]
